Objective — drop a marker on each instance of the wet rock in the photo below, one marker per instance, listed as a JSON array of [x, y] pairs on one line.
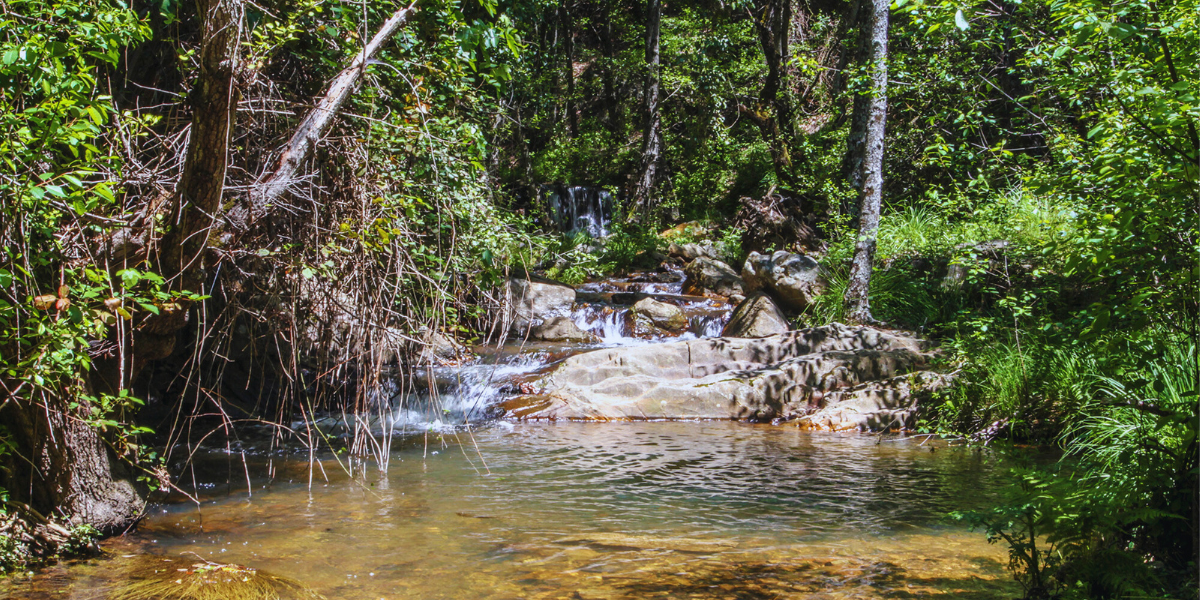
[[628, 298], [793, 279], [529, 301], [559, 329], [662, 315], [756, 317], [706, 276], [719, 378]]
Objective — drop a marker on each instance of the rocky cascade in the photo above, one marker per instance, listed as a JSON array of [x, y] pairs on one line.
[[833, 377]]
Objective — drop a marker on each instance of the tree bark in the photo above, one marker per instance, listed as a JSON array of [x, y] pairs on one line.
[[66, 469], [310, 131], [200, 189], [858, 308], [652, 139]]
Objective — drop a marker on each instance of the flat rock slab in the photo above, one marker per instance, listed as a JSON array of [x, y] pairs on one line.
[[719, 378]]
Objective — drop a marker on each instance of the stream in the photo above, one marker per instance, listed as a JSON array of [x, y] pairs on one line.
[[469, 507], [583, 510]]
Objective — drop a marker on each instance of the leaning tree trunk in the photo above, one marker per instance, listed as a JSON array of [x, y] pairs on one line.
[[858, 308], [652, 138]]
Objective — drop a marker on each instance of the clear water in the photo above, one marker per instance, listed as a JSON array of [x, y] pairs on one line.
[[584, 510]]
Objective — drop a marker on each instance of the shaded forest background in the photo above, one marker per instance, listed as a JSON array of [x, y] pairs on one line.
[[1039, 219]]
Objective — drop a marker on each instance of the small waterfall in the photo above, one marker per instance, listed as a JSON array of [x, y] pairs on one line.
[[607, 323], [708, 325], [580, 209], [448, 397]]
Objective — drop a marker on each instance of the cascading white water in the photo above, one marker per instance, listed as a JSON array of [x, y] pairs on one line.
[[580, 209], [606, 323], [450, 396]]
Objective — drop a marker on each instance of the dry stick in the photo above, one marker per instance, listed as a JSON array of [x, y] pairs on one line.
[[314, 126]]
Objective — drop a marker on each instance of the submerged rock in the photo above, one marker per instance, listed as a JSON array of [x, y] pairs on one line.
[[706, 276], [756, 317], [719, 378], [529, 301], [662, 315], [793, 279]]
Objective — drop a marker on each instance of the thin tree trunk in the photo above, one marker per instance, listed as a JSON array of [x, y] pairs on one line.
[[214, 102], [856, 143], [858, 308], [652, 140], [773, 112], [611, 104], [564, 13], [310, 131]]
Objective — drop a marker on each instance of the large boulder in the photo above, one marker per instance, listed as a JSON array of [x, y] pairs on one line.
[[706, 276], [718, 378], [530, 301], [756, 317], [689, 252], [559, 329], [662, 315], [793, 279]]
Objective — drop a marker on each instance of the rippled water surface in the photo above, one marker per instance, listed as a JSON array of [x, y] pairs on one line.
[[589, 510]]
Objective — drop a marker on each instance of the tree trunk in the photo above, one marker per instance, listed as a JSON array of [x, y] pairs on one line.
[[67, 469], [773, 112], [856, 143], [564, 14], [611, 103], [652, 140], [200, 189], [858, 308], [310, 131]]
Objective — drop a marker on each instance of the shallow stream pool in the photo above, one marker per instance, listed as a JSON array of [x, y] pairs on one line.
[[583, 511]]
